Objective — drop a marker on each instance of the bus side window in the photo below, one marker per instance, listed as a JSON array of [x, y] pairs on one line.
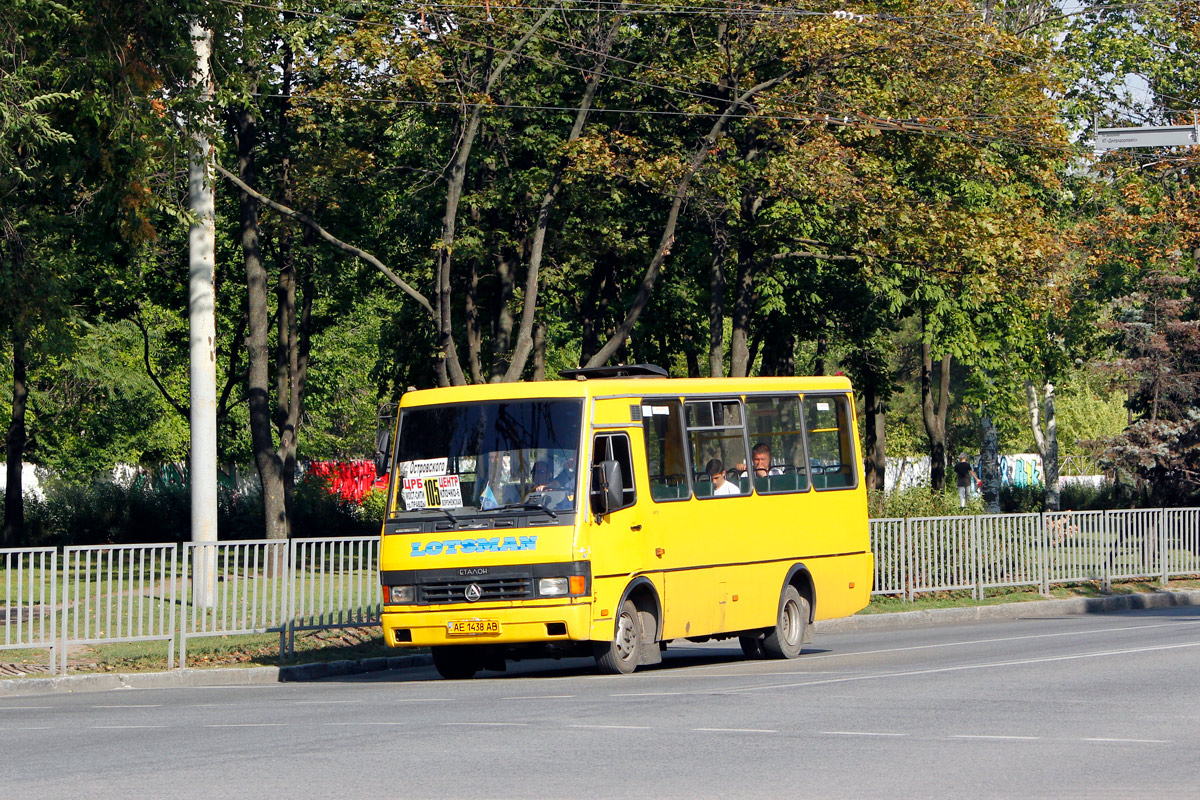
[[830, 442], [666, 459], [717, 438], [777, 451], [615, 447]]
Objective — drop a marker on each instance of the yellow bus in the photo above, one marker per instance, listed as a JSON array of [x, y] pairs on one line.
[[707, 508]]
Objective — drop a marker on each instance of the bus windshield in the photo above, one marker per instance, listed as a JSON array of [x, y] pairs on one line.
[[478, 458]]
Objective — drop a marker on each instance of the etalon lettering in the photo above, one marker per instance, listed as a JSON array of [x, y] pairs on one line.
[[492, 545]]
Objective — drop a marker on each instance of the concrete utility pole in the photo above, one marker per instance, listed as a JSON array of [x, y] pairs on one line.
[[203, 332]]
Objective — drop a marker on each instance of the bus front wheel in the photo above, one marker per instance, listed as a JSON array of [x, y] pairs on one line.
[[621, 655], [455, 663], [786, 639]]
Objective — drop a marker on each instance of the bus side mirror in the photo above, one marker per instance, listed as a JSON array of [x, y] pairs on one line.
[[607, 487], [383, 439]]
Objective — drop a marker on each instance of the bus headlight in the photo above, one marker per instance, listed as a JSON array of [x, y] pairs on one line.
[[561, 587], [553, 587], [397, 595]]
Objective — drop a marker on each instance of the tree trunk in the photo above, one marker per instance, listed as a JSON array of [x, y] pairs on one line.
[[270, 466], [874, 451], [539, 352], [744, 299], [935, 416], [989, 468], [474, 326], [14, 500], [779, 349], [1047, 441], [716, 298], [601, 292], [502, 316], [822, 350]]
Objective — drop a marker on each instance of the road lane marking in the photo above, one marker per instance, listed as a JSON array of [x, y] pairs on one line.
[[734, 730], [1000, 639], [323, 702], [1128, 741], [247, 725], [691, 672], [651, 694], [30, 728], [491, 724], [615, 727], [541, 697], [959, 668], [364, 722], [20, 708], [150, 705], [423, 700], [123, 727], [994, 736], [860, 733]]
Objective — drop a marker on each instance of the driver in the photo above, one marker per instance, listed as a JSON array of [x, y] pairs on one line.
[[543, 476]]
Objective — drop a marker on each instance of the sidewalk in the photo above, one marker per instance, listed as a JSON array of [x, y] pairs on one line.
[[16, 687]]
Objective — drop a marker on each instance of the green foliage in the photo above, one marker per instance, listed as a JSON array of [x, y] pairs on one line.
[[918, 501], [103, 512]]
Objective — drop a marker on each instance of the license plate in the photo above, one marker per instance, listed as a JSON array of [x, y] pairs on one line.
[[473, 627]]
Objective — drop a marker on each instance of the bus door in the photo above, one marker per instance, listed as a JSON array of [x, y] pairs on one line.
[[621, 543]]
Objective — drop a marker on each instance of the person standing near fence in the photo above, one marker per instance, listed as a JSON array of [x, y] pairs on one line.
[[965, 474]]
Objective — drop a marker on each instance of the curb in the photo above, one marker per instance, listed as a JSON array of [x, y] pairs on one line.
[[230, 676], [1033, 609], [246, 676]]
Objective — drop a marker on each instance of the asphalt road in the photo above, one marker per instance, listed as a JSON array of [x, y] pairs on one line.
[[1095, 706]]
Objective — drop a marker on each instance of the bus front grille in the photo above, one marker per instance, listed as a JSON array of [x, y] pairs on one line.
[[517, 588]]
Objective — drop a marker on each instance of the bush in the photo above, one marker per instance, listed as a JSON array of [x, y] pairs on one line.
[[108, 513], [918, 501], [317, 512], [1022, 499]]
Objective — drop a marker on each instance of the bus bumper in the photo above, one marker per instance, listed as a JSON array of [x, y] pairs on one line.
[[520, 625]]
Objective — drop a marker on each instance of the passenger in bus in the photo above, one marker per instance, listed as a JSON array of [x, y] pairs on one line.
[[566, 478], [760, 457], [721, 486]]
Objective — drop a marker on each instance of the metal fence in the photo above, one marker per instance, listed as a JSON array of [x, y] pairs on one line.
[[981, 552], [28, 613], [178, 593]]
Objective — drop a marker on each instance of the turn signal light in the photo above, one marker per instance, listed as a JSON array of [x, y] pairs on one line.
[[577, 584]]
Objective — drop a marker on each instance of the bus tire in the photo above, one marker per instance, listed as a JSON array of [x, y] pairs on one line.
[[752, 646], [786, 639], [455, 663], [621, 655]]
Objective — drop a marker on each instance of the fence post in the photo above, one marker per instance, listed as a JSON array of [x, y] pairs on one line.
[[287, 640], [906, 555], [977, 546], [1106, 557], [1165, 572], [1043, 538]]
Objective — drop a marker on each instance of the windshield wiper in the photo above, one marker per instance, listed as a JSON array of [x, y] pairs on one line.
[[526, 507], [445, 511]]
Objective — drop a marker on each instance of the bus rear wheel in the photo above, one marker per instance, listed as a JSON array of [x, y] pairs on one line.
[[621, 655], [455, 663], [786, 639]]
